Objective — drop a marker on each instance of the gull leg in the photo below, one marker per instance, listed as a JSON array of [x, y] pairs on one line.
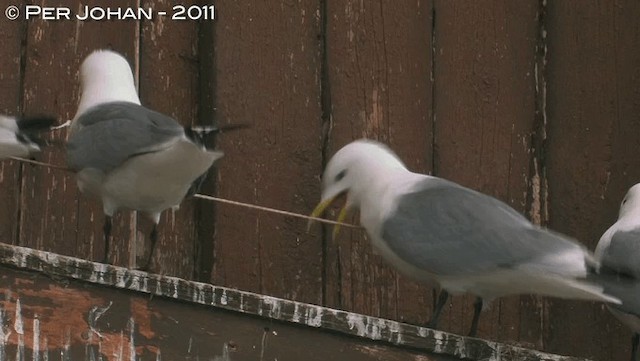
[[634, 345], [154, 238], [442, 300], [106, 230], [477, 308]]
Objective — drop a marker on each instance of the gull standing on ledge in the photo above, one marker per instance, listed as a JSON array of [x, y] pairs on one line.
[[619, 254], [18, 136], [435, 230], [130, 156]]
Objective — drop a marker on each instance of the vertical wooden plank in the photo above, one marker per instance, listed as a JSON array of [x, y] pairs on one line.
[[267, 59], [379, 75], [592, 155], [169, 84], [485, 117], [205, 211], [10, 101], [54, 216]]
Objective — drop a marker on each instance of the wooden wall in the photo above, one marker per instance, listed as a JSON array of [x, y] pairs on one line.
[[535, 102]]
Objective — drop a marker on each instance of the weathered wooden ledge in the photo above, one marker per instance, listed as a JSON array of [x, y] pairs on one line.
[[424, 340]]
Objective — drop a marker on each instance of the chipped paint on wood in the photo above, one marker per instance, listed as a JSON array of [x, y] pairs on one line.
[[367, 327], [36, 338]]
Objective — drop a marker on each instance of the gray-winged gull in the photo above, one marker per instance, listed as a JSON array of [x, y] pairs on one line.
[[432, 229], [619, 254], [129, 156], [18, 136]]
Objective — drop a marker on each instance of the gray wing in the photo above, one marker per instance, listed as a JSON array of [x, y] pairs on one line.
[[622, 287], [447, 229], [623, 253], [110, 133]]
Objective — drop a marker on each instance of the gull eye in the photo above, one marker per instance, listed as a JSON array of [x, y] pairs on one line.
[[340, 175]]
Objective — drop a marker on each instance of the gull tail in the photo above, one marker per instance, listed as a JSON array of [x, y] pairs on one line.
[[29, 129], [202, 135], [35, 124]]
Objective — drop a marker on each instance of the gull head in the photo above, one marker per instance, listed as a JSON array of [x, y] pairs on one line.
[[355, 169], [105, 76], [630, 205]]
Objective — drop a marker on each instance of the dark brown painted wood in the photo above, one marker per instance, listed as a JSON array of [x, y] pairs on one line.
[[267, 60], [54, 216], [10, 104], [46, 306], [485, 117], [379, 65], [377, 83], [169, 84], [592, 155]]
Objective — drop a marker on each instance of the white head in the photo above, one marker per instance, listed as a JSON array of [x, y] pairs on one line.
[[352, 170], [630, 205], [628, 217], [105, 76]]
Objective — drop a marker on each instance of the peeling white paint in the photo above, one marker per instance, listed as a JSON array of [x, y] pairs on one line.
[[120, 355], [296, 313], [132, 343], [274, 305], [440, 338], [45, 348], [18, 325], [461, 347], [175, 287], [94, 314], [422, 332], [223, 298], [395, 334], [357, 321], [66, 347], [36, 338], [313, 316]]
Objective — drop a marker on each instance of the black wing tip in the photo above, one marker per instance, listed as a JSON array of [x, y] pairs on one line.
[[215, 129], [198, 134], [36, 123]]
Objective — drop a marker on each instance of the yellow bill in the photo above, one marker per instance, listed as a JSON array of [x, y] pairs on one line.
[[341, 217], [319, 210]]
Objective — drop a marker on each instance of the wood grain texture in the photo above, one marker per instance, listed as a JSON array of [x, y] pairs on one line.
[[464, 90], [379, 66], [54, 216], [485, 119], [169, 72], [81, 319], [10, 104], [267, 60], [592, 154]]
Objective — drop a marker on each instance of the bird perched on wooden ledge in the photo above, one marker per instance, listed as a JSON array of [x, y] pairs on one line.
[[432, 229], [130, 156]]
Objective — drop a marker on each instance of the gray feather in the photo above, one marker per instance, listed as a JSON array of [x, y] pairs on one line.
[[450, 230], [622, 254], [109, 134]]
